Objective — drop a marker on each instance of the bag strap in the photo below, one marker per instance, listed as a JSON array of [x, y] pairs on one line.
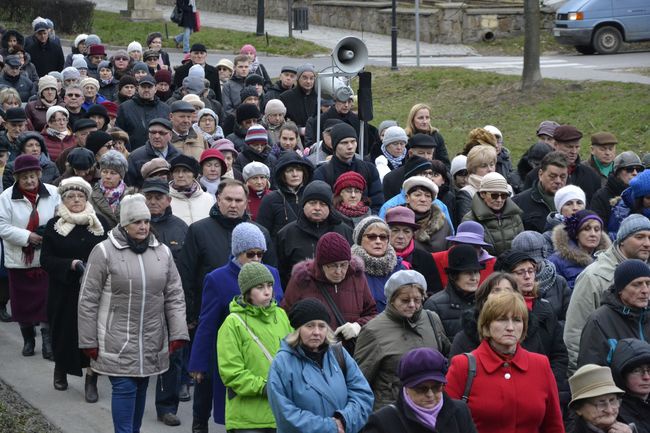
[[471, 373], [337, 313], [267, 354], [340, 358], [436, 331]]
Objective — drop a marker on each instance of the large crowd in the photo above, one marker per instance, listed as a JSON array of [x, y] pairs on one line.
[[190, 223]]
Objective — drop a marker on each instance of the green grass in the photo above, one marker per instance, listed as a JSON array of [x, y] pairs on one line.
[[463, 99]]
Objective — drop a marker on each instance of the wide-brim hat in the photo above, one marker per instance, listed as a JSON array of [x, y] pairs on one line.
[[470, 232], [592, 380], [401, 216]]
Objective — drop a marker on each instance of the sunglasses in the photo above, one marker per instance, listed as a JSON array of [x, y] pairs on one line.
[[374, 237], [633, 169], [497, 195], [253, 254], [153, 132], [424, 389], [122, 58], [73, 95]]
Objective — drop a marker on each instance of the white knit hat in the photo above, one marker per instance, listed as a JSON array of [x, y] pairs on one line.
[[494, 182], [275, 106], [53, 109], [80, 38], [89, 80], [568, 193], [133, 208], [494, 131], [458, 163], [134, 46]]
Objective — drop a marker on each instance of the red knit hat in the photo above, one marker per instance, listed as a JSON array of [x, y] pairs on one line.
[[213, 154], [350, 179], [332, 247]]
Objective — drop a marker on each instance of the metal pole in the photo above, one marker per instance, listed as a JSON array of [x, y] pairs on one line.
[[417, 31], [260, 18], [393, 38], [289, 18], [318, 99], [362, 128]]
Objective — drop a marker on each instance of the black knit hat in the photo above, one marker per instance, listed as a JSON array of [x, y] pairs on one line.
[[306, 310], [247, 111], [628, 271], [341, 131], [185, 161], [317, 190], [96, 140]]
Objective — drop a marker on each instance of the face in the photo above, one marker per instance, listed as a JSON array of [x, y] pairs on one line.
[[307, 80], [313, 334], [230, 158], [110, 178], [96, 59], [570, 149], [422, 120], [49, 94], [419, 200], [32, 147], [157, 202], [293, 176], [400, 237], [11, 102], [351, 196], [408, 300], [316, 211], [42, 36], [121, 63], [158, 136], [224, 73], [375, 241], [136, 55], [232, 201], [486, 167], [335, 272], [89, 91], [59, 121], [501, 287], [162, 86], [261, 295], [288, 79], [288, 139], [343, 107], [553, 178], [506, 332], [605, 154], [138, 75], [11, 71], [241, 69], [494, 200], [155, 44], [600, 411], [571, 207], [422, 152], [211, 169], [138, 230], [207, 124], [525, 274], [467, 281], [28, 180], [628, 173], [589, 235], [14, 129], [257, 146], [396, 148], [146, 91], [12, 41], [637, 293], [637, 246], [128, 90], [183, 178], [637, 381], [276, 119], [257, 183], [426, 394], [99, 120], [247, 123], [75, 201], [181, 121], [252, 255], [346, 149], [105, 74]]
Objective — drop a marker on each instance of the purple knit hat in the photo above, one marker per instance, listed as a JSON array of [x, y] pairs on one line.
[[573, 223]]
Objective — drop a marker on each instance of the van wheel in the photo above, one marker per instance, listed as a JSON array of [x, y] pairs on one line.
[[585, 49], [607, 40]]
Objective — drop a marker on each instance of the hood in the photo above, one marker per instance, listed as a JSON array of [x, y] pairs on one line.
[[553, 219], [629, 353], [239, 306], [291, 158], [569, 250]]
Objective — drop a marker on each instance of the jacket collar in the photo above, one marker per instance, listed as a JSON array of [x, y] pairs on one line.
[[16, 194], [118, 239], [491, 362]]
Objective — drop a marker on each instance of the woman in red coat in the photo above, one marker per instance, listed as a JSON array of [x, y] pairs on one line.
[[514, 390]]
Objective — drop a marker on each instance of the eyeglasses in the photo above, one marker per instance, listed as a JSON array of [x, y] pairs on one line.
[[158, 132], [336, 266], [424, 389], [524, 272], [373, 237], [499, 195], [633, 169], [253, 254], [73, 196], [641, 371], [121, 58], [603, 405], [73, 95]]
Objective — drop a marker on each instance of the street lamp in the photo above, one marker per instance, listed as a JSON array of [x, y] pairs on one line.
[[393, 37], [260, 18]]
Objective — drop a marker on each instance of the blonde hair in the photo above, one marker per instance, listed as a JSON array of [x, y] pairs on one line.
[[293, 339], [8, 94], [477, 137], [410, 122], [501, 305], [482, 154]]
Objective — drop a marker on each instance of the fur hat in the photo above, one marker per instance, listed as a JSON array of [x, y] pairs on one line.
[[114, 160], [133, 207], [247, 92], [422, 181]]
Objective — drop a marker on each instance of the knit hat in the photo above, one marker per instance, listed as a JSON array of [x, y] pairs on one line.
[[362, 226], [46, 82], [628, 271], [114, 160], [421, 140], [627, 159], [57, 75], [394, 134], [640, 185], [247, 92], [133, 208], [507, 261], [127, 79], [248, 48], [574, 223], [532, 243], [96, 140], [253, 274], [568, 193], [603, 139], [494, 131], [226, 64], [494, 182], [134, 46], [154, 166], [225, 145], [332, 247], [385, 125], [81, 158], [317, 190], [187, 162], [275, 106], [306, 67], [402, 278], [75, 183], [70, 73], [79, 39], [163, 76], [140, 66], [105, 64], [547, 127], [26, 162], [194, 100], [631, 225], [55, 109], [422, 181], [257, 134], [341, 131], [246, 236], [469, 232], [349, 179], [420, 365], [195, 85], [566, 133], [401, 216], [306, 310], [92, 39], [89, 81], [255, 168], [463, 257], [592, 380], [79, 63], [247, 111], [207, 112]]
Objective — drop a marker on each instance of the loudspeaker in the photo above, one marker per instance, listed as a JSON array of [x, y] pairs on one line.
[[365, 97], [350, 54], [328, 85]]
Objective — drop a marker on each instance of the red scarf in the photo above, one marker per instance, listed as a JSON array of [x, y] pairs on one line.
[[353, 211], [529, 302], [405, 253], [32, 224]]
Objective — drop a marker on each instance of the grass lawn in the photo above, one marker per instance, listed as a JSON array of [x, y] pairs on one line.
[[463, 99]]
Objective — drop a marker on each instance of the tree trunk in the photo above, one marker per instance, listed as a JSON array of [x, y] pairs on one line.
[[532, 75]]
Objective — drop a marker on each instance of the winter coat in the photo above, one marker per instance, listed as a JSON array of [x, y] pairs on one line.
[[273, 92], [14, 216], [500, 229], [498, 405], [441, 259], [130, 307], [553, 220], [449, 305], [583, 176], [140, 157], [170, 230], [207, 246], [621, 209], [57, 255], [351, 118], [211, 74], [392, 181], [192, 145], [219, 288], [433, 232], [21, 83], [304, 397], [601, 202], [49, 172], [248, 155], [383, 341], [254, 201], [351, 296], [134, 115], [230, 93], [194, 208], [300, 106], [464, 200], [454, 417], [109, 90], [187, 12], [35, 111], [243, 366], [55, 146], [569, 259], [45, 57], [629, 353], [101, 206], [555, 290], [535, 209], [611, 322]]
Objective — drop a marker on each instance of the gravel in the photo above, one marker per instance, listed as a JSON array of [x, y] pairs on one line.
[[18, 416]]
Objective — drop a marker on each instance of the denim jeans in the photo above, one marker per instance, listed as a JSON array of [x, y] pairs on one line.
[[185, 38], [127, 403], [168, 386]]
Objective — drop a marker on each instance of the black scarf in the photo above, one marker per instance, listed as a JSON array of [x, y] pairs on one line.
[[135, 246], [227, 223]]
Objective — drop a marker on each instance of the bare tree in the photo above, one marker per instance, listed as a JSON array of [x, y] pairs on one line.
[[532, 75]]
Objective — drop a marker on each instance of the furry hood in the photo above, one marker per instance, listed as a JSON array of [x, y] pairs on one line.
[[568, 250]]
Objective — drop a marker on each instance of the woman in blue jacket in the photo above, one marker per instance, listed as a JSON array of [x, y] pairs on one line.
[[313, 385]]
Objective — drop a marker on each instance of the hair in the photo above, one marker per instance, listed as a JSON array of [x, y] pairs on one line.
[[410, 124], [240, 58], [408, 286], [555, 158], [377, 225], [419, 188], [293, 339], [499, 306], [490, 282], [76, 86], [290, 126], [231, 182], [478, 137], [478, 155], [8, 94]]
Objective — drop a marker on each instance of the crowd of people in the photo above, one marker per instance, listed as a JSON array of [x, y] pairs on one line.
[[190, 223]]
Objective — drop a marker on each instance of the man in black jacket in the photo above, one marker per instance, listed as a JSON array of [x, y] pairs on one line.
[[198, 56], [158, 146], [45, 52], [286, 82]]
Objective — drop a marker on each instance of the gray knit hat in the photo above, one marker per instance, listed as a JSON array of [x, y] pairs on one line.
[[631, 225], [114, 160], [531, 242], [385, 125], [70, 73], [246, 236], [394, 134], [133, 208], [255, 168], [362, 226], [402, 278], [253, 274]]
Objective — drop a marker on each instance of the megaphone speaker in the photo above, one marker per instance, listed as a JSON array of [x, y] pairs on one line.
[[365, 96], [350, 55]]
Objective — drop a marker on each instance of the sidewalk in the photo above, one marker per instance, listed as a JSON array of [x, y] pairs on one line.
[[378, 45]]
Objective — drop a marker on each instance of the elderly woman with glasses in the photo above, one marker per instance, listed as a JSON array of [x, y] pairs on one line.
[[57, 135]]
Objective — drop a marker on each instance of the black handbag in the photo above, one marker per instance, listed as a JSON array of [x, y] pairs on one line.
[[177, 15]]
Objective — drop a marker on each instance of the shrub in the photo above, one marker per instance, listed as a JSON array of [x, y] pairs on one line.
[[69, 16]]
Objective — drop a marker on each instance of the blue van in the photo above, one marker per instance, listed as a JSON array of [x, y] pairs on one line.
[[602, 25]]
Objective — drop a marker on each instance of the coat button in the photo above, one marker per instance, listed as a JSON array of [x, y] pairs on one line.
[[507, 376]]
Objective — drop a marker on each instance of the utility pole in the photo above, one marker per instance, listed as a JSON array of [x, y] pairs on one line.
[[532, 75], [260, 18], [393, 38]]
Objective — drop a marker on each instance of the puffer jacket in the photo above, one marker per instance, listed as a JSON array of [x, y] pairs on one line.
[[130, 307], [242, 364], [500, 229], [192, 145], [304, 396], [194, 208], [383, 341], [610, 323], [450, 305], [630, 353], [569, 259]]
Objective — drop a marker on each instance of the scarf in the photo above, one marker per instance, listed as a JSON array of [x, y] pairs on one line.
[[32, 223], [187, 192], [207, 137], [605, 170], [406, 252], [137, 247], [394, 161], [58, 134], [548, 199], [69, 220], [546, 276], [113, 195], [377, 266], [49, 104], [210, 186], [529, 302], [474, 182], [254, 65], [352, 211], [428, 417]]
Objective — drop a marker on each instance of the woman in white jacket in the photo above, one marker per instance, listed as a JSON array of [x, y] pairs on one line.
[[393, 148], [189, 202]]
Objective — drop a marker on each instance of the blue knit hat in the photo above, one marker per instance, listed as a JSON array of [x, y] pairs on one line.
[[640, 184], [247, 236], [631, 225], [629, 271]]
